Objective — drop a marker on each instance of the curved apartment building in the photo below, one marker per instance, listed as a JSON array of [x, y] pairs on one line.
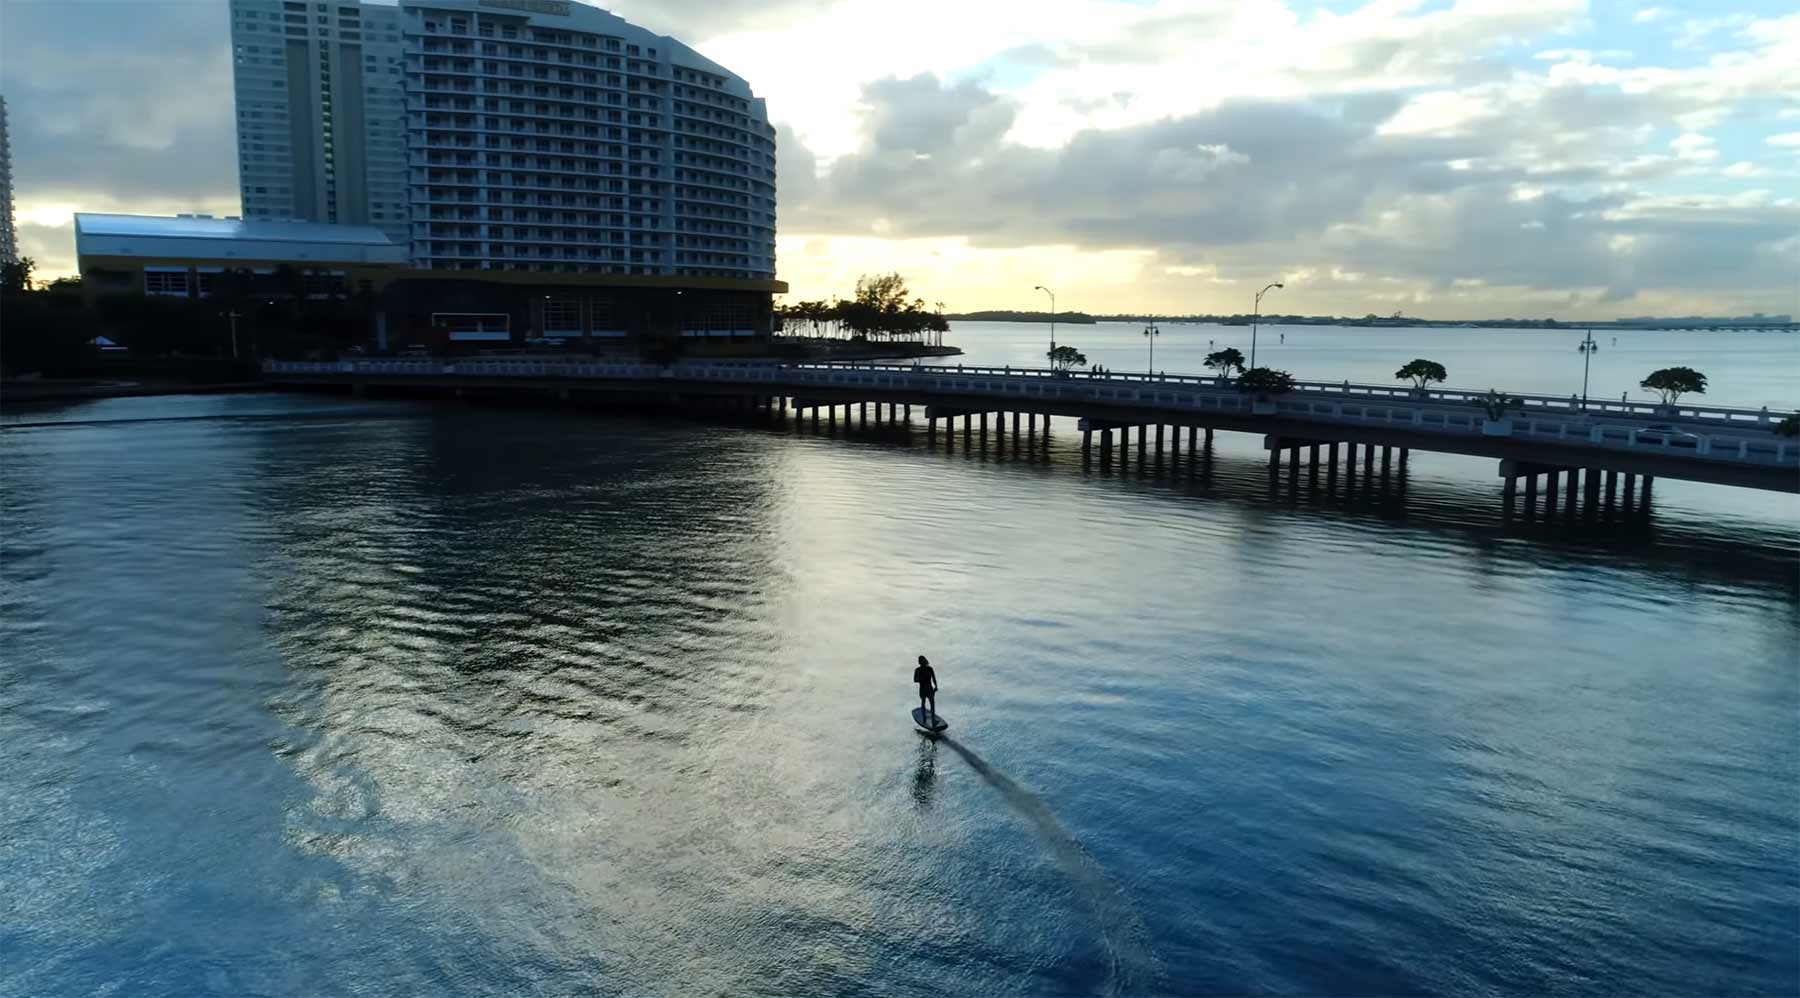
[[515, 135]]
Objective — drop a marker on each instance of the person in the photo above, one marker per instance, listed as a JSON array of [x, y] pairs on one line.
[[928, 686]]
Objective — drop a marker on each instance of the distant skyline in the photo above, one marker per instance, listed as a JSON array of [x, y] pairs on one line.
[[1458, 160]]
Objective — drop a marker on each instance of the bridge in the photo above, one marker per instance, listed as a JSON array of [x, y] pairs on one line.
[[1588, 446]]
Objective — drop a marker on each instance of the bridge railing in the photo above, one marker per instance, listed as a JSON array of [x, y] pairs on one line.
[[1451, 396]]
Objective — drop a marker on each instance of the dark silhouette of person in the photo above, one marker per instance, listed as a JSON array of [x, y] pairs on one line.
[[928, 687]]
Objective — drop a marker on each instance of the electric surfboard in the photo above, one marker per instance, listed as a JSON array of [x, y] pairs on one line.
[[931, 725]]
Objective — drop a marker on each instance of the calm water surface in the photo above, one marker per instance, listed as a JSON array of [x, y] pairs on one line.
[[304, 696]]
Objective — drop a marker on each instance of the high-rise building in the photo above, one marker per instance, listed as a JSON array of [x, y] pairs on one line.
[[320, 112], [521, 135], [9, 239]]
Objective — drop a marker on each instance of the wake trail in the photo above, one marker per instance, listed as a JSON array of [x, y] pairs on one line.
[[1130, 964]]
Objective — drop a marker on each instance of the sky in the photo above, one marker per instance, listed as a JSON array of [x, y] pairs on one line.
[[1582, 159]]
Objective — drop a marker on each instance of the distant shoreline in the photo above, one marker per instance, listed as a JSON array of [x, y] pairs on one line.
[[1555, 325]]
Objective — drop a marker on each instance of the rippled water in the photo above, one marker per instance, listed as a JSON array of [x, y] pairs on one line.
[[305, 696]]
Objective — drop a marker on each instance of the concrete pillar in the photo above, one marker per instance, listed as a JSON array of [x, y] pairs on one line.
[[1591, 489], [931, 429], [1274, 462], [1531, 489], [907, 412], [1644, 493], [1106, 448], [984, 427], [1368, 460], [1386, 454], [831, 417], [1550, 490], [815, 416], [1511, 488], [968, 429], [1031, 424], [1569, 488], [1124, 445], [1630, 489], [1612, 488], [1087, 444], [1350, 461], [1015, 426], [1143, 444], [1294, 463], [1159, 441], [1194, 439], [864, 412]]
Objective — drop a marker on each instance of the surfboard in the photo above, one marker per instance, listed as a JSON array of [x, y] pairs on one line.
[[926, 723]]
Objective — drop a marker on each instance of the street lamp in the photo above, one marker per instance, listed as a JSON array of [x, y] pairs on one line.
[[1587, 357], [234, 317], [1151, 333], [1254, 316], [1052, 294]]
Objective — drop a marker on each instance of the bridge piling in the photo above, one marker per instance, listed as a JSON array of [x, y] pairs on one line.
[[1612, 489], [931, 430], [1368, 461], [1087, 444], [1106, 447], [1159, 444], [1386, 454], [1550, 492], [968, 431], [1143, 442]]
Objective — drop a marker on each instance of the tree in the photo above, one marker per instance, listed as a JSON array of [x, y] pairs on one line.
[[1225, 361], [1674, 382], [15, 277], [1423, 372], [1266, 381], [1064, 358]]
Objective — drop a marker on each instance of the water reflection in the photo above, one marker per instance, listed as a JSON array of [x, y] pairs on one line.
[[474, 701]]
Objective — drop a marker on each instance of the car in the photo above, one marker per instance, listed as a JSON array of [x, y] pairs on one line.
[[1668, 434]]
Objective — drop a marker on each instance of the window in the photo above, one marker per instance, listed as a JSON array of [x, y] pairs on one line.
[[165, 281], [473, 325], [562, 317]]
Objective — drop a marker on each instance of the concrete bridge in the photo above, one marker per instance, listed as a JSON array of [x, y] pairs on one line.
[[1599, 445]]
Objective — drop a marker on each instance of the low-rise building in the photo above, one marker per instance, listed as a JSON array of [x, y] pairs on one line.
[[200, 257]]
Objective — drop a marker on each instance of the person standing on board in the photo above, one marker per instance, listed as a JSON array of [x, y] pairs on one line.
[[928, 687]]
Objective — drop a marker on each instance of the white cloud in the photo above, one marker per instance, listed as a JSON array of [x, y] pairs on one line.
[[1649, 14], [1785, 139], [1745, 168]]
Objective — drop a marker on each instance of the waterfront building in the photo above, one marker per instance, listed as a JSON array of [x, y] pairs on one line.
[[520, 136], [9, 239], [198, 257]]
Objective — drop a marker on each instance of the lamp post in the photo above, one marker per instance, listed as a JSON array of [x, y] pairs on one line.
[[1255, 316], [233, 316], [1052, 294], [1151, 333], [1587, 357]]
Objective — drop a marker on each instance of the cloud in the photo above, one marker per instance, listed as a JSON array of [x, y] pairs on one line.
[[1649, 14], [1270, 186], [1787, 140]]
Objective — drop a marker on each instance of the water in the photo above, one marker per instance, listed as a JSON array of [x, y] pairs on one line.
[[306, 696], [1743, 368]]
